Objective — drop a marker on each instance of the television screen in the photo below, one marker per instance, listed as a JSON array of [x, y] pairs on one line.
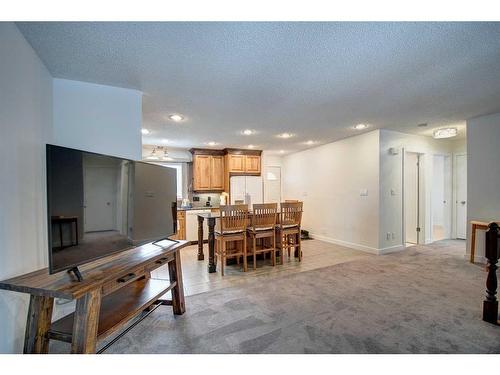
[[99, 205]]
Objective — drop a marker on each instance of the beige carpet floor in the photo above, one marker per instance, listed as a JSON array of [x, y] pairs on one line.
[[426, 299]]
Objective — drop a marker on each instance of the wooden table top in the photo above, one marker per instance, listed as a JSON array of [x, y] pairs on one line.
[[95, 274]]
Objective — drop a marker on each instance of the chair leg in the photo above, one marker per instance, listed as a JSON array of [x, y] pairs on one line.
[[273, 253], [254, 251], [223, 256], [245, 263], [299, 242]]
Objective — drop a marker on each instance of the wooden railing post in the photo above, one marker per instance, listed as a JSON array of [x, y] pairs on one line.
[[490, 304]]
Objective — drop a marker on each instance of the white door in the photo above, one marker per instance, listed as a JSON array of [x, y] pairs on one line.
[[411, 199], [461, 195], [272, 184], [440, 200], [99, 199]]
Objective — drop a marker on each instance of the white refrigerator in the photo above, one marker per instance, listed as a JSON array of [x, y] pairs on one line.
[[248, 189]]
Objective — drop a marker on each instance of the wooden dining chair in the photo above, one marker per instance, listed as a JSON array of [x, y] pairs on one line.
[[288, 229], [263, 226], [232, 227]]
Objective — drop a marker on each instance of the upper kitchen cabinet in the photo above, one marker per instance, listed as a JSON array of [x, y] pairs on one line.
[[243, 162], [236, 163], [208, 170]]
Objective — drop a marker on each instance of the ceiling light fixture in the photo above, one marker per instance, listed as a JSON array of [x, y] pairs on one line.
[[282, 151], [165, 140], [445, 133], [286, 135], [251, 146], [212, 143], [145, 131], [360, 126], [153, 155], [176, 117], [247, 132], [310, 142]]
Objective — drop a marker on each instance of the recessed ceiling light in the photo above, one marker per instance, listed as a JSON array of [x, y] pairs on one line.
[[176, 117], [310, 142], [145, 131], [251, 146], [165, 140], [360, 126], [247, 132], [282, 151], [212, 143], [445, 133], [286, 135]]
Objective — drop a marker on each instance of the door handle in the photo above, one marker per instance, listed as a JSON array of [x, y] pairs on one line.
[[463, 202]]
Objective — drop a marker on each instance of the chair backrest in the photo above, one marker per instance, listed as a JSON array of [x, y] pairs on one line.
[[264, 215], [233, 217], [291, 213]]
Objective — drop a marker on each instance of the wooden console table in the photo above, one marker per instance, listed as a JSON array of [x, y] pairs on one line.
[[114, 290]]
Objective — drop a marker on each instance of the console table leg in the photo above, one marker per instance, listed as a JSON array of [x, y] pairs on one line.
[[38, 324], [86, 322], [175, 272]]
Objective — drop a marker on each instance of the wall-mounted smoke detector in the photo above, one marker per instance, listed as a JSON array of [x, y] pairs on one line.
[[445, 133]]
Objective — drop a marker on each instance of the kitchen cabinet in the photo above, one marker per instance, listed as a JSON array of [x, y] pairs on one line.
[[217, 173], [236, 163], [252, 164], [181, 225], [243, 163], [208, 170]]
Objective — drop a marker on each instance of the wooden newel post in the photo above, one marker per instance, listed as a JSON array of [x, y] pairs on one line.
[[490, 304], [201, 256]]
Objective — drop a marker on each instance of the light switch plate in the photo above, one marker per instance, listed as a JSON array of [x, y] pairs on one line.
[[363, 192]]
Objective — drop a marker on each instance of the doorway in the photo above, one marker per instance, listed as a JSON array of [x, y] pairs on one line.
[[441, 198], [461, 196], [412, 198], [100, 198]]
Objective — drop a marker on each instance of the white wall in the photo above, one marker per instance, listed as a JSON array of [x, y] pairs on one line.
[[25, 123], [483, 174], [97, 118], [391, 179], [329, 180]]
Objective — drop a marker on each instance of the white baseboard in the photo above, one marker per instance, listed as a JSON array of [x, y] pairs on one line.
[[477, 258], [355, 246], [391, 249]]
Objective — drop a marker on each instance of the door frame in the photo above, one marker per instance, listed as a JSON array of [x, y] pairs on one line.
[[455, 200], [448, 164], [420, 198]]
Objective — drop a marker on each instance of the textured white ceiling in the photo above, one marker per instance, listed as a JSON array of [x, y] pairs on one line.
[[315, 80]]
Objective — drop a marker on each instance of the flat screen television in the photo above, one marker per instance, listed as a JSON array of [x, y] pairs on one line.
[[99, 205]]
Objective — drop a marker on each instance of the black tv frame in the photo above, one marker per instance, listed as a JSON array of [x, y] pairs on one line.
[[73, 268]]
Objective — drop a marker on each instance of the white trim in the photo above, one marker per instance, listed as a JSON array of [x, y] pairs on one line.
[[477, 258], [391, 249], [355, 246]]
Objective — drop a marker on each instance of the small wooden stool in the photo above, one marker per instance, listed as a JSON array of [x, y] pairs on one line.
[[475, 225]]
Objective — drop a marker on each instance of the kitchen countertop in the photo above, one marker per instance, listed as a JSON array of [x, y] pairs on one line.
[[196, 208]]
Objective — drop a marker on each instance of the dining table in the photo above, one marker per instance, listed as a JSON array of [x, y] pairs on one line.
[[211, 218]]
